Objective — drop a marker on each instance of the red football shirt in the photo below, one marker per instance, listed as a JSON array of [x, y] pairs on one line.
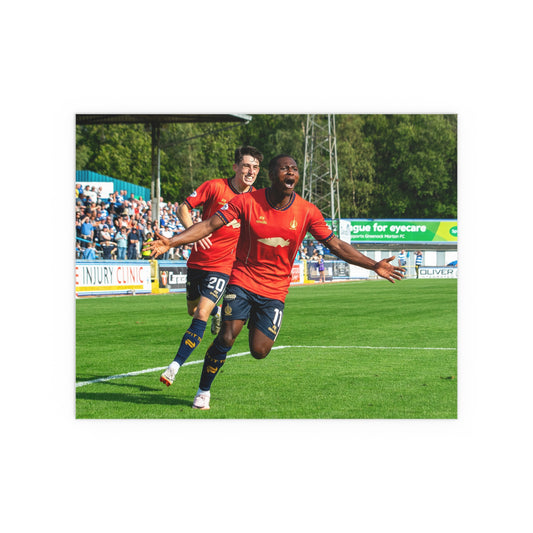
[[270, 239], [212, 195]]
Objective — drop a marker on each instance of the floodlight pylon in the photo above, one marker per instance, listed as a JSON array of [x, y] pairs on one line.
[[321, 174]]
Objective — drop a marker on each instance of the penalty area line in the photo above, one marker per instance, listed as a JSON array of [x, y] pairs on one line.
[[159, 368]]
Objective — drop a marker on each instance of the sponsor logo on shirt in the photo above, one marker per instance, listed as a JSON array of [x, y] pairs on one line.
[[275, 241]]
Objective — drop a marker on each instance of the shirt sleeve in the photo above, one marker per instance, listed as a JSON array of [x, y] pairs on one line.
[[231, 210], [318, 227], [200, 195]]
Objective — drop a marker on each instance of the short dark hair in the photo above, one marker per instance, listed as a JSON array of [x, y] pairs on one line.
[[247, 150], [274, 162]]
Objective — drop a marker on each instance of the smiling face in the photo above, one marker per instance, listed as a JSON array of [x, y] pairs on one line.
[[246, 172], [284, 176]]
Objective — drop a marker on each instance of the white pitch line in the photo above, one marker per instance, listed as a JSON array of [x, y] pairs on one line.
[[373, 347], [159, 368]]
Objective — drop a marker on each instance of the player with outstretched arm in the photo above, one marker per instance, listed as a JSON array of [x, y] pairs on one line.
[[211, 259], [274, 222]]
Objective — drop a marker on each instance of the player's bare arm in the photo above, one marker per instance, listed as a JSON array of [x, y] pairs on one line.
[[190, 235], [184, 214], [348, 253]]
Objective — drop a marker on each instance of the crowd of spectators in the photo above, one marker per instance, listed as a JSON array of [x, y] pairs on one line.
[[116, 226]]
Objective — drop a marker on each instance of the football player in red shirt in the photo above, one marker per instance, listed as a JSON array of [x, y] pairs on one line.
[[211, 259], [274, 222]]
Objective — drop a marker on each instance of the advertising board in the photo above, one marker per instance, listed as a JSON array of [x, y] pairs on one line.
[[397, 230], [112, 277]]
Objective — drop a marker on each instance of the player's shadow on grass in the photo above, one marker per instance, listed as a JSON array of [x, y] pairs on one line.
[[151, 399], [158, 397]]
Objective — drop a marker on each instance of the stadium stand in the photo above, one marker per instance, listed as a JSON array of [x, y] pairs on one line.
[[100, 216]]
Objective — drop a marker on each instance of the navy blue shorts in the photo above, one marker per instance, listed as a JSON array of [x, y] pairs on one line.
[[208, 284], [262, 313]]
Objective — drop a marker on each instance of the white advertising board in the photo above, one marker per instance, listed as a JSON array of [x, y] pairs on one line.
[[446, 272], [112, 277]]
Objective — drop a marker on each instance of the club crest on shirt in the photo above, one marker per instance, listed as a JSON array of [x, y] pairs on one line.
[[222, 202], [293, 224]]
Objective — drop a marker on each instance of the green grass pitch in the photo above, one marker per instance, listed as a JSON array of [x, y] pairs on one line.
[[354, 350]]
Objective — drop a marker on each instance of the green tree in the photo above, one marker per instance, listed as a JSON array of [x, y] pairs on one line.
[[122, 151], [390, 166], [355, 167], [414, 160]]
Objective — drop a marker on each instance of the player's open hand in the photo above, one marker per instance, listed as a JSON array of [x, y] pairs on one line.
[[159, 246], [388, 271], [203, 244]]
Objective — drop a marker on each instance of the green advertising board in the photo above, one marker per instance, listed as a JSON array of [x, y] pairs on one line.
[[391, 230]]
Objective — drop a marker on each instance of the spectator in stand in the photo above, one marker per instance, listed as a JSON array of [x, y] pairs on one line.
[[134, 240], [418, 262], [146, 253], [166, 232], [107, 249], [91, 193], [116, 227], [142, 204], [89, 253], [97, 230], [321, 268], [128, 208], [105, 236], [111, 226], [185, 251], [119, 203], [87, 231], [122, 243], [141, 225], [78, 225], [402, 258], [113, 203], [104, 213], [146, 228], [125, 221], [80, 208], [86, 193]]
